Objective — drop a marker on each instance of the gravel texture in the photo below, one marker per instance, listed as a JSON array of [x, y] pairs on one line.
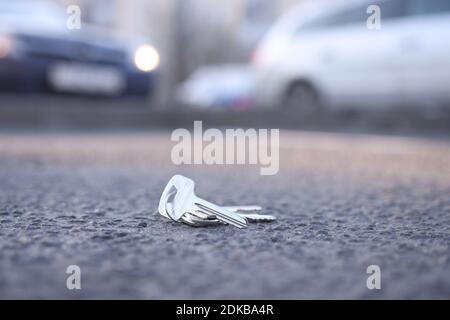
[[343, 202]]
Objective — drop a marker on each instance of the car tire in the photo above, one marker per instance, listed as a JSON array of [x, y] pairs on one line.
[[302, 97]]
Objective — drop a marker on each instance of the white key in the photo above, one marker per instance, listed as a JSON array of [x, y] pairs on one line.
[[178, 198]]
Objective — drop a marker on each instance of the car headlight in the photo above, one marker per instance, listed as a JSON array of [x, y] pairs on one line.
[[146, 58], [5, 46]]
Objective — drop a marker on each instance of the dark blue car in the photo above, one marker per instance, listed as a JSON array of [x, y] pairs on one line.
[[39, 52]]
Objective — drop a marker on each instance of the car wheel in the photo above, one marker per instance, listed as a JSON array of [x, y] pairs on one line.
[[302, 97]]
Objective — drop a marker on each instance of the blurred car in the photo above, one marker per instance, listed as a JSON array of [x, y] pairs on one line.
[[218, 87], [323, 54], [39, 53]]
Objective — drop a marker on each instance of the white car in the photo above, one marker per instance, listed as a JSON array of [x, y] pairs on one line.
[[219, 87], [333, 54]]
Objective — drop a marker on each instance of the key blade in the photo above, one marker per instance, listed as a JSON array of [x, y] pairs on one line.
[[195, 221], [251, 217], [203, 215], [258, 217], [223, 214], [239, 209]]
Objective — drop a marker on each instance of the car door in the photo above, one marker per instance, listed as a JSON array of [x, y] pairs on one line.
[[425, 46], [360, 66]]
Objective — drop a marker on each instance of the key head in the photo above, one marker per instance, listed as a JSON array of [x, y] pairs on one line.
[[176, 197]]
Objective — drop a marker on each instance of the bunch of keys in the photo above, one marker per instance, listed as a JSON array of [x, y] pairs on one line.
[[179, 203]]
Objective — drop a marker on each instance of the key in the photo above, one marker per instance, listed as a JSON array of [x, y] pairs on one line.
[[197, 222], [237, 209], [254, 217], [243, 209], [179, 198], [200, 219], [251, 213], [179, 192]]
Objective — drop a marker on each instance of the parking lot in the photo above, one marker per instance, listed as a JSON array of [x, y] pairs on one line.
[[343, 202]]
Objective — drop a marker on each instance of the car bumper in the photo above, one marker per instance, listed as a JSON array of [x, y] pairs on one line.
[[31, 74], [270, 87]]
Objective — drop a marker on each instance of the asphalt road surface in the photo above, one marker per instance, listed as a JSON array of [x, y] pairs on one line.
[[343, 202]]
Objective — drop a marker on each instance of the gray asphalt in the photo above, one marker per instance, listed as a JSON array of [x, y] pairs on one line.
[[343, 202]]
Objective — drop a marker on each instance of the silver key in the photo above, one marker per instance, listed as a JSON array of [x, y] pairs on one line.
[[251, 213], [242, 209], [179, 198], [254, 217], [200, 216], [200, 219], [196, 221]]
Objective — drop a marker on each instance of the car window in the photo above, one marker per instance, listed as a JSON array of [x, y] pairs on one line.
[[390, 9], [425, 7], [393, 9], [27, 9], [341, 17]]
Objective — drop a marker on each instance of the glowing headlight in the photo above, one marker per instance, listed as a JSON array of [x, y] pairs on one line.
[[146, 58], [5, 46]]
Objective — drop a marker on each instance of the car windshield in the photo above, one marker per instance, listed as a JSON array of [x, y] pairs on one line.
[[307, 13], [30, 9]]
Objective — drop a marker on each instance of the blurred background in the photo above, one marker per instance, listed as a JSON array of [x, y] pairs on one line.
[[186, 34], [327, 62]]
